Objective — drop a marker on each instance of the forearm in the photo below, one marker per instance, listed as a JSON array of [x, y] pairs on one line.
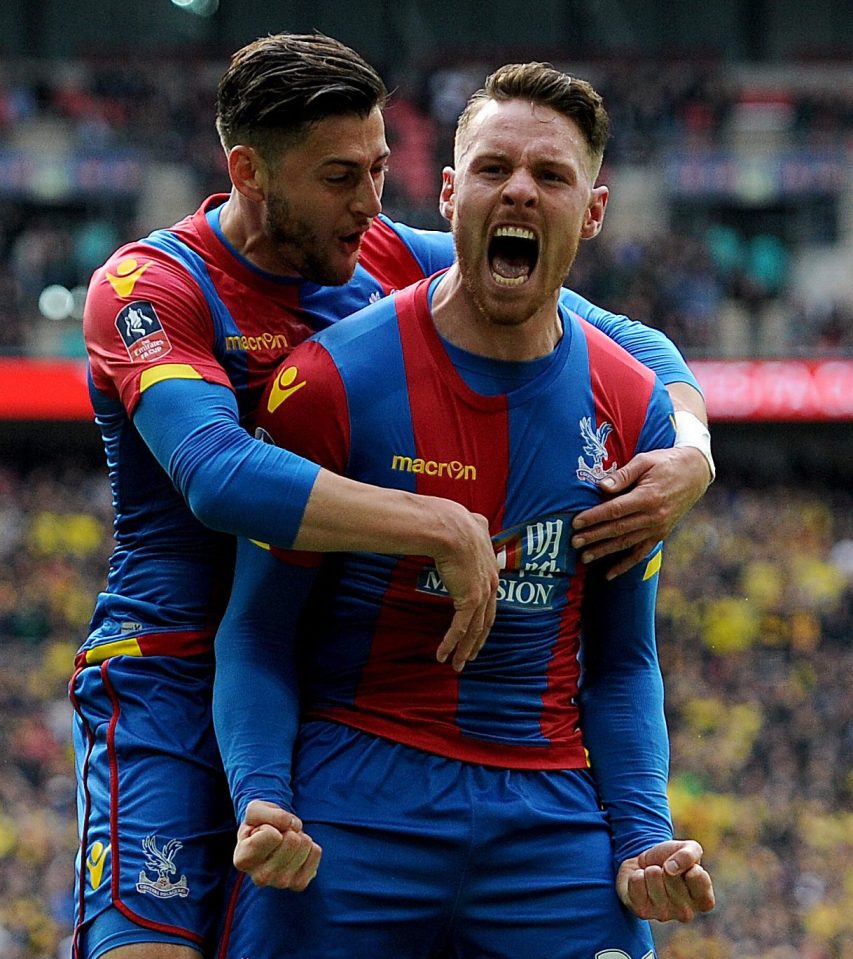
[[625, 733], [232, 482], [344, 515], [691, 423], [622, 711], [255, 713], [256, 689], [686, 397]]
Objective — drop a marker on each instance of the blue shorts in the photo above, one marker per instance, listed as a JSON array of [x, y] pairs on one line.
[[155, 820], [427, 857]]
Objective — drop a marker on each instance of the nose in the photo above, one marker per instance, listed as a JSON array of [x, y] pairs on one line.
[[520, 189], [368, 197]]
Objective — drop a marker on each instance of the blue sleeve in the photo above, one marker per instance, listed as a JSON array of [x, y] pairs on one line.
[[231, 481], [658, 430], [433, 249], [647, 345], [255, 690], [622, 707]]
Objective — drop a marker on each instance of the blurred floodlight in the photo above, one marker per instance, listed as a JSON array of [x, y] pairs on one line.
[[56, 302], [203, 8]]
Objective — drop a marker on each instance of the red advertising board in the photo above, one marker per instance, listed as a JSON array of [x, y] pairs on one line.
[[786, 390], [33, 389], [735, 390]]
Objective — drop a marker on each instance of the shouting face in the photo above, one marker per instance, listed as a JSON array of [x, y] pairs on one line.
[[522, 197]]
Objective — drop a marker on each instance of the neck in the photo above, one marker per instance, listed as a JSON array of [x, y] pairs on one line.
[[461, 320], [241, 223]]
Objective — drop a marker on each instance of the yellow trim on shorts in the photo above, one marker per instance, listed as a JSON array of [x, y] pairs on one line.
[[121, 647]]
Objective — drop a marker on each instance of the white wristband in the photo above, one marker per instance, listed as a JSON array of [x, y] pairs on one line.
[[691, 431]]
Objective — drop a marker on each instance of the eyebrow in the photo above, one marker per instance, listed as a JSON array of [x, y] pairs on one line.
[[352, 164], [555, 160]]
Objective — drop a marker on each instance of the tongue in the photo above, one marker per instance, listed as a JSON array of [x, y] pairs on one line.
[[510, 267]]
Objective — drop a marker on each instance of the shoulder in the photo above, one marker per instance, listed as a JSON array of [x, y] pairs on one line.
[[367, 324], [398, 254], [610, 361], [139, 273]]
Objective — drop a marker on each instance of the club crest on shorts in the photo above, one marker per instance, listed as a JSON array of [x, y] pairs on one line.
[[162, 861], [142, 332], [593, 446]]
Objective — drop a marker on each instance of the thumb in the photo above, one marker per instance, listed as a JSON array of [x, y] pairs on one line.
[[260, 812], [675, 856], [620, 479], [684, 858]]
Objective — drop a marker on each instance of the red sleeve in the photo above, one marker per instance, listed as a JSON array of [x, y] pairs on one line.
[[384, 254], [144, 311], [304, 409]]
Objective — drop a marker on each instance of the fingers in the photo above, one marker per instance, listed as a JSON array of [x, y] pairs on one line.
[[470, 575], [700, 889], [667, 882], [307, 871], [620, 480], [666, 484], [621, 522], [676, 855], [654, 895], [259, 811], [284, 860], [468, 633]]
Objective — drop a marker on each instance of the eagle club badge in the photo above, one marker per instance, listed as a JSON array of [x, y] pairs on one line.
[[162, 862], [142, 332], [594, 446]]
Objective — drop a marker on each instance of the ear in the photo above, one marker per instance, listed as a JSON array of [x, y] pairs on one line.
[[248, 172], [594, 219], [447, 197]]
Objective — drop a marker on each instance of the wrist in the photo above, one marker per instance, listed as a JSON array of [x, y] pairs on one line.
[[690, 431]]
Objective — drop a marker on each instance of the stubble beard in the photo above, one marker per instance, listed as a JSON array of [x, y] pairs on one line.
[[510, 316], [300, 247]]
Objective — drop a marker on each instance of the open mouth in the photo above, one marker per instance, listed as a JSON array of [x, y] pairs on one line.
[[351, 241], [513, 253]]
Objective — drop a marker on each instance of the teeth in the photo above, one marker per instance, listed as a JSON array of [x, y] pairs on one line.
[[519, 232], [508, 281]]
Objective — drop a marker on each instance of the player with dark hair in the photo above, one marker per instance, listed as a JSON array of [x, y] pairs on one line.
[[184, 328], [458, 814]]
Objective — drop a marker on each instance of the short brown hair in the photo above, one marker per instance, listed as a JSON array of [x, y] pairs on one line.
[[543, 83], [277, 86]]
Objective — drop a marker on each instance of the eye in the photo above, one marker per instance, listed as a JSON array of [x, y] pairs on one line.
[[551, 176]]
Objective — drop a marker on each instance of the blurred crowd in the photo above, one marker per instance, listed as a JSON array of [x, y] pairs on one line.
[[755, 625], [55, 536], [154, 112]]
